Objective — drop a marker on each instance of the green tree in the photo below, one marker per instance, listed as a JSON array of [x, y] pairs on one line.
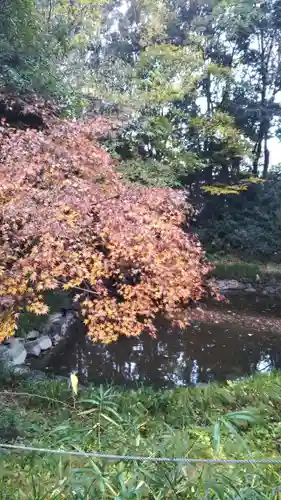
[[252, 39], [43, 46], [196, 83], [173, 136]]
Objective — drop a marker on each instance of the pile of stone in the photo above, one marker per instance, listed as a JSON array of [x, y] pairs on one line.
[[235, 286], [15, 350]]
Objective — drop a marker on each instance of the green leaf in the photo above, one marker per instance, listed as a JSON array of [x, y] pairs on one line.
[[113, 412], [60, 428], [215, 487], [110, 420], [244, 415], [90, 401], [217, 437], [87, 412], [235, 434]]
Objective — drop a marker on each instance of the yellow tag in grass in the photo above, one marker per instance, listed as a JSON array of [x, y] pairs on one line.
[[74, 383]]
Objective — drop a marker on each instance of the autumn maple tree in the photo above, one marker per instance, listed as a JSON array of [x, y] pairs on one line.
[[69, 222]]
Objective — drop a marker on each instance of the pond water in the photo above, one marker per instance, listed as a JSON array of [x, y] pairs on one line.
[[201, 353]]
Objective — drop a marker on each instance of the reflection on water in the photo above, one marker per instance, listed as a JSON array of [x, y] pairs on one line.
[[251, 304], [200, 353]]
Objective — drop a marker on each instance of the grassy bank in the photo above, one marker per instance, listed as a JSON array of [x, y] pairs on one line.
[[229, 267], [238, 420]]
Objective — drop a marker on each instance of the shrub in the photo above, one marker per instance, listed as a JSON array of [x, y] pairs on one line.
[[246, 224], [69, 222]]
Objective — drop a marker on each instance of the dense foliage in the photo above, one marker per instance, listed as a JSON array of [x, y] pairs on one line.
[[208, 116], [43, 45], [248, 225], [67, 221], [197, 83]]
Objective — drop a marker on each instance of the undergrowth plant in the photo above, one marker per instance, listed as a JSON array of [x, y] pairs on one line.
[[239, 420]]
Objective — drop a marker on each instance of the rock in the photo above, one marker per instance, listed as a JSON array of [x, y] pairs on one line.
[[250, 289], [11, 340], [7, 341], [35, 375], [33, 348], [14, 353], [4, 352], [44, 342], [53, 325], [231, 285], [20, 358], [269, 290], [69, 319], [17, 353], [16, 341], [56, 339], [54, 318], [59, 323], [22, 371], [34, 334], [28, 373]]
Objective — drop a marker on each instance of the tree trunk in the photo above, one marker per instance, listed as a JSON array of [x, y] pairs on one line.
[[235, 167], [266, 159], [208, 171], [224, 174], [257, 152], [263, 119]]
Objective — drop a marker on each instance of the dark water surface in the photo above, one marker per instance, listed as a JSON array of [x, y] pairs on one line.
[[251, 304], [199, 354]]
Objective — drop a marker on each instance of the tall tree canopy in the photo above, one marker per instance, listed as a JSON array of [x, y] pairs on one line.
[[198, 82], [219, 123]]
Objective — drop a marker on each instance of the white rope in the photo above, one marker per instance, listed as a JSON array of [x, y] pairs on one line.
[[108, 456]]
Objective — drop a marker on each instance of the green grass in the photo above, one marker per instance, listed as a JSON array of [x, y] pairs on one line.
[[238, 271], [229, 267], [234, 421]]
